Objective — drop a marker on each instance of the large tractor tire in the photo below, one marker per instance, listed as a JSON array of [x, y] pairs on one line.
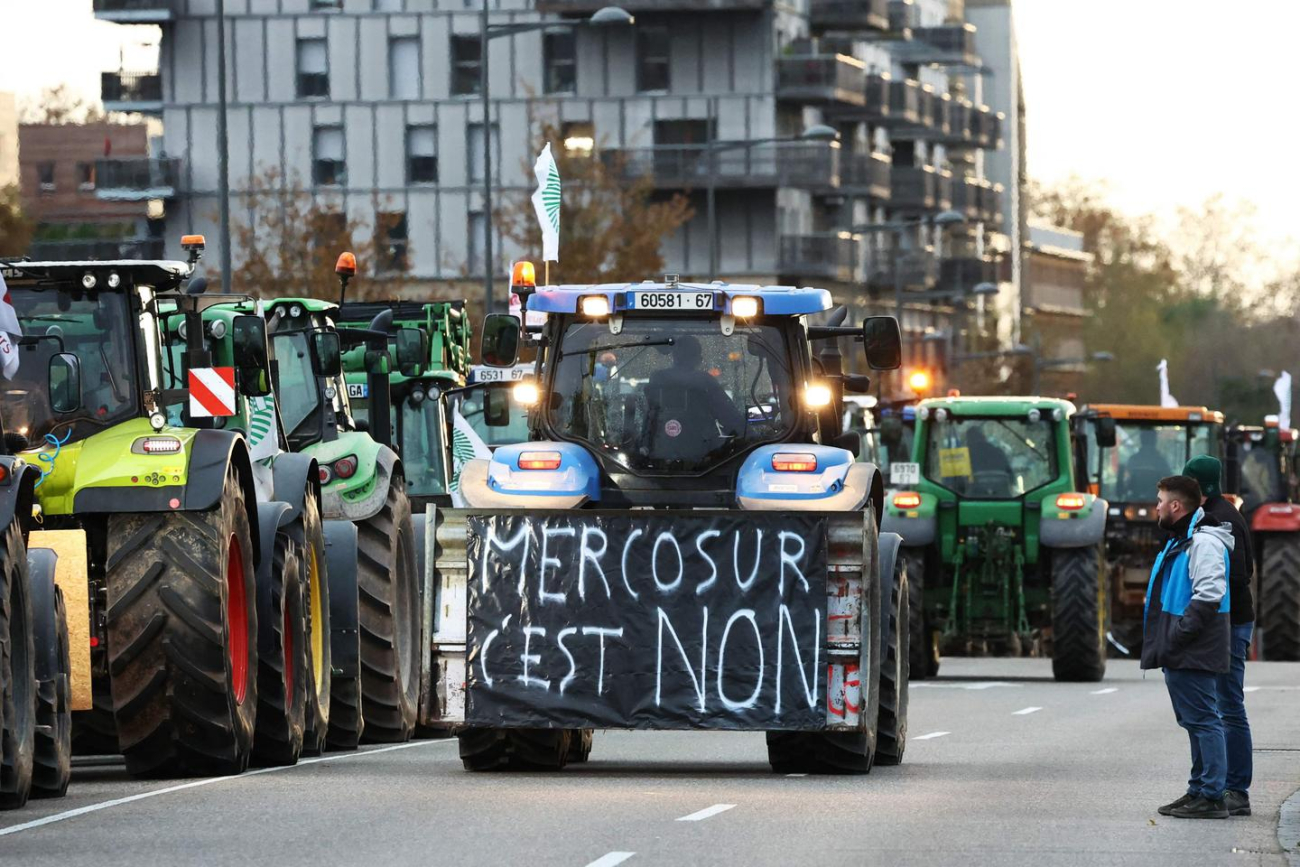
[[282, 660], [1078, 614], [923, 650], [515, 749], [182, 628], [891, 725], [17, 673], [1279, 597], [53, 756], [389, 608], [580, 745], [819, 752], [308, 533]]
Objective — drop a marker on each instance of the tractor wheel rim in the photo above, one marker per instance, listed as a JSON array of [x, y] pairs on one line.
[[288, 654], [237, 615], [317, 639]]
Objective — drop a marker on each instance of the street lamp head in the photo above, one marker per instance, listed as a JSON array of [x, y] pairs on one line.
[[948, 218], [611, 15], [985, 289], [1103, 356], [820, 132]]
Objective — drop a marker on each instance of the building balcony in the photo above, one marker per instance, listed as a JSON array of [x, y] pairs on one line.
[[887, 265], [825, 255], [959, 131], [821, 78], [986, 127], [903, 17], [850, 14], [136, 179], [931, 116], [950, 44], [589, 6], [964, 273], [132, 91], [904, 103], [135, 11], [990, 204], [866, 175], [943, 184], [966, 197], [793, 164], [97, 249], [914, 188]]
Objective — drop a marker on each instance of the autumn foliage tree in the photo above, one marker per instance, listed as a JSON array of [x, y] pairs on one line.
[[16, 228], [611, 227], [286, 243]]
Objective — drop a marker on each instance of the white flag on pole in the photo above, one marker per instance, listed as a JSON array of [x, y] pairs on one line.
[[9, 325], [466, 445], [1282, 388], [546, 202], [1166, 399]]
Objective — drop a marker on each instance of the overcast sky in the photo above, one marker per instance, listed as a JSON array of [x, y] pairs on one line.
[[1167, 101]]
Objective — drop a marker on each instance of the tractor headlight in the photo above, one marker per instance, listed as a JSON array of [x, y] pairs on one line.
[[417, 397], [217, 329], [88, 280], [923, 413], [295, 311], [1058, 414], [594, 306], [1035, 416], [743, 307], [157, 421], [941, 414], [182, 330], [114, 280], [816, 395]]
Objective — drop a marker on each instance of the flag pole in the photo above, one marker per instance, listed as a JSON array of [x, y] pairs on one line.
[[546, 267]]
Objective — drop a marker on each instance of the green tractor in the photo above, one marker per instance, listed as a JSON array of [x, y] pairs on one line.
[[1004, 550], [164, 515], [429, 345]]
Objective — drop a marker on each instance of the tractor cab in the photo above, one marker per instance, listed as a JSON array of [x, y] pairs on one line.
[[1260, 465]]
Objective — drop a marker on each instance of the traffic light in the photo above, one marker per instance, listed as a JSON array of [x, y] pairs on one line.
[[919, 382]]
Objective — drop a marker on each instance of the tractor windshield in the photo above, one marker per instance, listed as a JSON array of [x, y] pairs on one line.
[[991, 458], [671, 394], [296, 389], [421, 431], [1146, 453], [493, 414], [97, 328]]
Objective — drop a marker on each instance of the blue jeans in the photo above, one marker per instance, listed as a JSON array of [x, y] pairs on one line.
[[1194, 695], [1232, 710]]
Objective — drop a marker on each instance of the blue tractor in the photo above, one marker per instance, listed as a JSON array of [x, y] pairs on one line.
[[685, 541]]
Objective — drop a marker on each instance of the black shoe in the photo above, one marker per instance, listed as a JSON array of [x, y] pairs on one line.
[[1238, 803], [1201, 808], [1168, 809]]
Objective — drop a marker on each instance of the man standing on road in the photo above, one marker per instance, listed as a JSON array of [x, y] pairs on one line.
[[1231, 687], [1185, 632]]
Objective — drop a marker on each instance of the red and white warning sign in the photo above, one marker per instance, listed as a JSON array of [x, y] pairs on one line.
[[212, 391]]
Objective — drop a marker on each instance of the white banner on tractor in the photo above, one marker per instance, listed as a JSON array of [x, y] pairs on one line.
[[9, 325], [212, 391]]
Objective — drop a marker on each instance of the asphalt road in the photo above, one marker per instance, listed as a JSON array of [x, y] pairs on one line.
[[1003, 767]]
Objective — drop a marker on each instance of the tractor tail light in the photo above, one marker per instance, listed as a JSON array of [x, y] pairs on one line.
[[156, 446], [345, 468], [1071, 502], [539, 460], [794, 462], [326, 474], [907, 500]]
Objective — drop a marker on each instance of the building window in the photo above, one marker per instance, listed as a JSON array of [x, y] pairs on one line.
[[467, 68], [404, 67], [422, 154], [391, 240], [328, 165], [313, 68], [652, 47], [477, 225], [326, 4], [45, 177], [388, 5], [579, 139], [559, 60], [330, 230], [86, 176], [476, 151]]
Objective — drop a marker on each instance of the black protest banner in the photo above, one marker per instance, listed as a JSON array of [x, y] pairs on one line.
[[649, 620]]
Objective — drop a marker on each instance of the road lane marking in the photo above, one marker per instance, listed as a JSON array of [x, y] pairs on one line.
[[1025, 711], [1250, 689], [207, 781], [609, 859], [1107, 691], [706, 813], [796, 775], [991, 684], [931, 735]]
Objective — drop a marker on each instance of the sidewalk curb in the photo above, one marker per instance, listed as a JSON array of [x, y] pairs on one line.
[[1288, 828]]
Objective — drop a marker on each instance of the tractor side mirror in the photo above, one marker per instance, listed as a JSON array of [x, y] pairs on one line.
[[65, 382], [883, 342], [857, 383], [377, 362], [248, 335], [326, 354], [1106, 433], [500, 340], [412, 350]]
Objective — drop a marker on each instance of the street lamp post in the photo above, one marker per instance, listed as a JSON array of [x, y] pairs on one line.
[[487, 32], [816, 133], [223, 148]]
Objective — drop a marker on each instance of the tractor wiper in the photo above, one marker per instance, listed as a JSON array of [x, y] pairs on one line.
[[604, 347]]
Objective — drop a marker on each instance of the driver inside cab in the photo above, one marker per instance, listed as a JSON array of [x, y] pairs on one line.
[[690, 414]]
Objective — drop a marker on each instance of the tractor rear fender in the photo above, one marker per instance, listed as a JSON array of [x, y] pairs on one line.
[[917, 524], [294, 476], [17, 492], [1074, 529], [890, 543], [345, 624], [71, 574], [41, 565], [838, 484], [500, 483], [1276, 518], [362, 496], [270, 518]]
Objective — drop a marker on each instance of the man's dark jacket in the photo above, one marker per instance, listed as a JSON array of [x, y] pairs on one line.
[[1186, 623], [1243, 557]]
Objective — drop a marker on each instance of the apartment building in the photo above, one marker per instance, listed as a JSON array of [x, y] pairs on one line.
[[374, 107], [8, 141], [1055, 312]]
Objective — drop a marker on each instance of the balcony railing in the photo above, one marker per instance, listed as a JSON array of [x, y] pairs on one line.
[[828, 255], [134, 11], [572, 6], [986, 127], [947, 44], [136, 178], [903, 15], [965, 197], [959, 132], [964, 273], [794, 164], [914, 187], [825, 78], [131, 91], [71, 250], [850, 14], [990, 204], [943, 184], [867, 174], [886, 264], [904, 103]]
